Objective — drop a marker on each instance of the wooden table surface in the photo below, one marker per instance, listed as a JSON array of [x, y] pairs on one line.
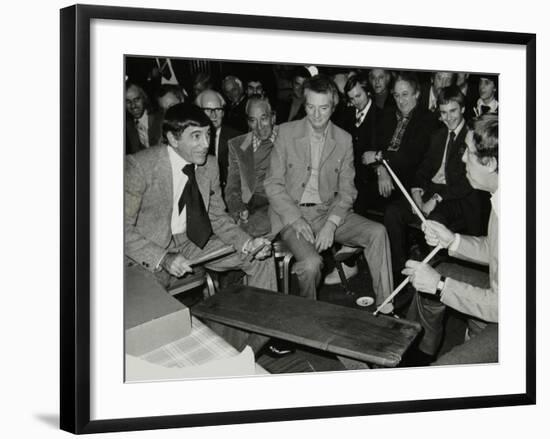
[[353, 333]]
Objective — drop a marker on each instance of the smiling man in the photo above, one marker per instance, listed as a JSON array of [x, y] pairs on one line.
[[248, 162], [310, 189], [440, 188], [173, 210]]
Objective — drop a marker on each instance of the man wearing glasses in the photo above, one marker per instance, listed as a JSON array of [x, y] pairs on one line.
[[213, 104]]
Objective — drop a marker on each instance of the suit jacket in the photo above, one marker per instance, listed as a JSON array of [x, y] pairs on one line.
[[364, 138], [154, 132], [148, 206], [290, 169], [457, 185], [478, 302], [241, 179], [226, 133], [414, 144]]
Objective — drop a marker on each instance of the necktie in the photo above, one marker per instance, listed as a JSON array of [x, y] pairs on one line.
[[198, 228], [450, 145], [485, 109], [358, 117], [142, 133]]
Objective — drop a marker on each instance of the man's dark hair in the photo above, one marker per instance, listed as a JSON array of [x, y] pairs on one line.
[[452, 93], [301, 72], [181, 116], [322, 84], [410, 78], [361, 79], [485, 129]]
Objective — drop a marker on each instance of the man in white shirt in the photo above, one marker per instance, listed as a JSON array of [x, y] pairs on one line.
[[174, 212], [310, 189]]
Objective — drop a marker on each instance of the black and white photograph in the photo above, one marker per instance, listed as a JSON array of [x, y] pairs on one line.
[[285, 218], [289, 217]]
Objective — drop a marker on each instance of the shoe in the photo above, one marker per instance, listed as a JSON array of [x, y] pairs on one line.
[[388, 310], [333, 277], [414, 357], [279, 348]]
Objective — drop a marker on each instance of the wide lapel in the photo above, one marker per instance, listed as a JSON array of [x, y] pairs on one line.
[[302, 143], [248, 174], [203, 182], [164, 175], [330, 144]]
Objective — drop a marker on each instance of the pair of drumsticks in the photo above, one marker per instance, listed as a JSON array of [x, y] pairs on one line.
[[423, 219]]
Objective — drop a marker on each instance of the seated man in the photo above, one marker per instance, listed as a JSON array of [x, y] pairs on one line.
[[235, 115], [437, 292], [440, 188], [143, 125], [173, 210], [213, 105], [405, 132], [248, 162], [310, 189]]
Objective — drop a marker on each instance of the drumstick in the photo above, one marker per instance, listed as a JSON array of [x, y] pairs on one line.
[[212, 255], [405, 193], [269, 237], [406, 280]]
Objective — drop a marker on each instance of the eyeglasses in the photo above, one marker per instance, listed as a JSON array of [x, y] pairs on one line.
[[211, 111]]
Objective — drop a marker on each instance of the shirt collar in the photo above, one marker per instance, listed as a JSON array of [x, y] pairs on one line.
[[256, 142], [361, 114], [459, 128], [312, 133], [177, 161], [493, 105], [143, 119]]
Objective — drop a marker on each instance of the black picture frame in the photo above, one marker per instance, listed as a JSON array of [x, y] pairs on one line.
[[75, 217]]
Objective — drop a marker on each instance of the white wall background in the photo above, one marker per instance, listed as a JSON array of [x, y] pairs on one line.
[[29, 185]]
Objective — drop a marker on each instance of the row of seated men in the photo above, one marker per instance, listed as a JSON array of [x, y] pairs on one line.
[[307, 181]]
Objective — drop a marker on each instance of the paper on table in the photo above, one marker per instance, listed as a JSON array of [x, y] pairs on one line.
[[138, 370]]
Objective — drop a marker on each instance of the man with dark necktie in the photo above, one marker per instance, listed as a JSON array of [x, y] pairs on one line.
[[173, 210], [440, 188]]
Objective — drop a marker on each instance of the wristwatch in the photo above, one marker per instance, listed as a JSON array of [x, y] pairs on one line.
[[437, 198], [440, 286]]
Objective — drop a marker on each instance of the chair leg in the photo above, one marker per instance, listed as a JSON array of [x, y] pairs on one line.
[[341, 274], [211, 288], [286, 273]]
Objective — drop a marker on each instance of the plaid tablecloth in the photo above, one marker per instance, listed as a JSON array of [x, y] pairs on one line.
[[200, 347]]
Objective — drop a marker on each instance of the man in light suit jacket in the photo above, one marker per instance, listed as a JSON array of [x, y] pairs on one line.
[[436, 292], [167, 188], [311, 191], [248, 162]]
